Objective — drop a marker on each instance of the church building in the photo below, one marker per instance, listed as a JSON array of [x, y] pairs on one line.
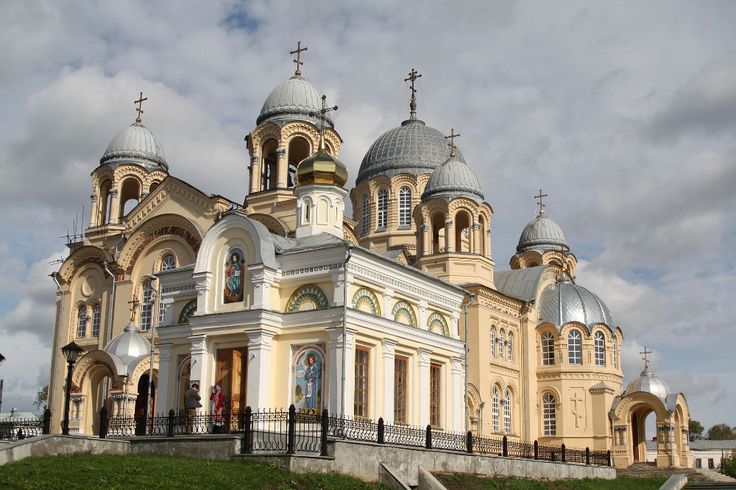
[[397, 311]]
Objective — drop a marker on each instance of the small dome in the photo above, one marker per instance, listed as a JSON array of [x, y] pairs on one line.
[[451, 180], [649, 383], [129, 346], [135, 144], [412, 148], [295, 98], [542, 234], [566, 302], [321, 168]]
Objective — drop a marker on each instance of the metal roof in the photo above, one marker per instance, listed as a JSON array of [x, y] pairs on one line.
[[451, 180], [295, 98], [519, 283], [129, 346], [565, 302], [649, 383], [542, 234], [135, 144]]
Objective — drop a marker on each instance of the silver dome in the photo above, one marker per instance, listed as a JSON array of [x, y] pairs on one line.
[[542, 234], [135, 144], [129, 346], [412, 148], [451, 180], [566, 302], [294, 98], [649, 383]]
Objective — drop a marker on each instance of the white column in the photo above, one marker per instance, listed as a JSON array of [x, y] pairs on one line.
[[260, 344], [389, 354], [457, 404], [199, 367], [449, 237], [423, 379], [336, 398], [165, 376]]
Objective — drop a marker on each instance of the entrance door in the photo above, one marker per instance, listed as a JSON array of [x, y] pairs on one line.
[[232, 375], [635, 436]]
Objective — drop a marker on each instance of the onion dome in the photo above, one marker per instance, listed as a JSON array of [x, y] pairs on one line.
[[542, 234], [412, 148], [322, 169], [129, 346], [566, 302], [451, 180], [649, 383], [135, 144], [295, 98]]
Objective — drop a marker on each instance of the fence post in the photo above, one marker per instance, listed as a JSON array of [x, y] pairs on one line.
[[170, 423], [226, 415], [323, 434], [247, 446], [291, 430], [47, 421], [587, 455], [381, 429], [536, 450], [564, 453], [469, 442], [103, 422], [428, 440], [608, 457], [505, 446]]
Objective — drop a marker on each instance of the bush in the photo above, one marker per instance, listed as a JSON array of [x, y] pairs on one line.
[[729, 465]]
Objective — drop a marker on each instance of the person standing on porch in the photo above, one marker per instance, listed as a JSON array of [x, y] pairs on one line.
[[191, 403]]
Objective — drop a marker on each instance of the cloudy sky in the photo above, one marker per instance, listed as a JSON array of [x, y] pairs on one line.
[[623, 112]]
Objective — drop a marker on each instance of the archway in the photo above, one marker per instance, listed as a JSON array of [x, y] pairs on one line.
[[437, 223], [299, 149], [143, 408]]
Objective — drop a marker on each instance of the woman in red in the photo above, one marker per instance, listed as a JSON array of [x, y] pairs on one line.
[[218, 400]]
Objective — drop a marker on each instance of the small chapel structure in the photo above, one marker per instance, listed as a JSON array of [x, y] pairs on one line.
[[397, 311]]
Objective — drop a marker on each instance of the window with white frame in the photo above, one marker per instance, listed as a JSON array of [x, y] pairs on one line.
[[507, 411], [510, 347], [493, 341], [168, 263], [548, 349], [549, 416], [405, 206], [96, 313], [147, 306], [574, 347], [501, 344], [495, 401], [82, 322], [600, 349], [382, 211]]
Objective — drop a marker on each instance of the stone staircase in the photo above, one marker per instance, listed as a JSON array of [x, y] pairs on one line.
[[697, 479]]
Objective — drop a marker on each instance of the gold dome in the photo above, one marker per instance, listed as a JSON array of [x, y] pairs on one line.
[[322, 169]]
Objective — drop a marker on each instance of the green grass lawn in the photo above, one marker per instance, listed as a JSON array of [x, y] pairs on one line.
[[108, 472], [472, 482]]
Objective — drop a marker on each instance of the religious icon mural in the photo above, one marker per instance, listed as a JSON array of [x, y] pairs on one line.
[[308, 375], [234, 264]]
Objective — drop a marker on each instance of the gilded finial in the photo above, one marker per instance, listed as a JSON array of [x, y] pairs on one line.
[[541, 204], [298, 51], [133, 307], [451, 144], [140, 107], [413, 75]]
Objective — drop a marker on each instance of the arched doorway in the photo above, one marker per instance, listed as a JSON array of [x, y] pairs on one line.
[[143, 408]]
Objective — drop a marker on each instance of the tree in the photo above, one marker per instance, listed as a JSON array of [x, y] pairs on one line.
[[42, 398], [721, 432], [696, 429]]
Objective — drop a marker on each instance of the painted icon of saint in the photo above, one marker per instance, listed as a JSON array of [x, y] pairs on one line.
[[233, 278]]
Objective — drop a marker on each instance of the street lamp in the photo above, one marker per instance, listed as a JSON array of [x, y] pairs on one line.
[[2, 360], [71, 352]]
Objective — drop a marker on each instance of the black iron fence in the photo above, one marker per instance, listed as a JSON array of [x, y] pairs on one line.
[[291, 431], [16, 429]]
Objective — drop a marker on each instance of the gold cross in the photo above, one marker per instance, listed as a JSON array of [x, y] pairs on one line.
[[645, 353], [139, 109], [298, 52], [413, 75], [451, 144], [539, 198], [322, 115], [133, 307]]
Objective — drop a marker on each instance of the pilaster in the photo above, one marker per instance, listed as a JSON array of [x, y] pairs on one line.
[[336, 345], [200, 362], [423, 378], [457, 403], [260, 345], [165, 377], [389, 356]]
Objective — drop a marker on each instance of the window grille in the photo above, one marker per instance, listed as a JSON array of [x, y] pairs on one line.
[[548, 349], [600, 349], [405, 206], [549, 414], [574, 347], [382, 216], [96, 313]]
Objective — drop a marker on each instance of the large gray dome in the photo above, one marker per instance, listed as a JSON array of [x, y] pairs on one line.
[[566, 302], [135, 144], [649, 383], [542, 234], [412, 148], [451, 180], [129, 346], [294, 98]]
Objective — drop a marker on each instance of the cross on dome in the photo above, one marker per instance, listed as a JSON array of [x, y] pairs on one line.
[[413, 75], [298, 51], [322, 115], [451, 144], [140, 107], [134, 304], [645, 353], [540, 203]]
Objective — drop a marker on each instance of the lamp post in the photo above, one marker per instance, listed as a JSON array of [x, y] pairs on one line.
[[2, 360], [71, 352]]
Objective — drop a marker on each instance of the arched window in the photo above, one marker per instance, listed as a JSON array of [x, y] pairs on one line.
[[501, 344], [188, 311], [600, 349], [82, 322], [405, 206], [493, 341], [168, 263], [96, 313], [147, 306], [574, 347], [495, 400], [549, 416], [615, 353], [366, 215], [510, 347], [507, 411], [548, 349], [382, 211]]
